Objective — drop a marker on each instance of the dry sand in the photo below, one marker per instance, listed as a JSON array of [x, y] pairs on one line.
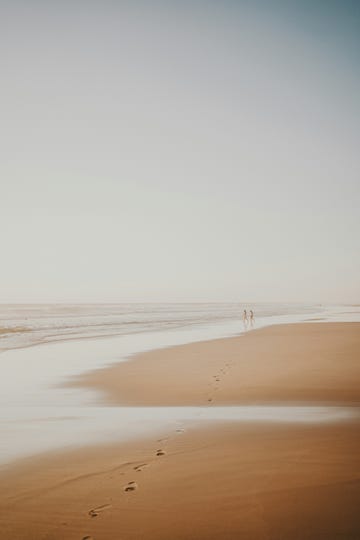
[[316, 363], [234, 481]]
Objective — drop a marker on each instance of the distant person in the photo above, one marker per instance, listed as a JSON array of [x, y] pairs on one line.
[[252, 320], [245, 318]]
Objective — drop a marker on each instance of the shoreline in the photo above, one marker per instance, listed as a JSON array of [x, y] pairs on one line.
[[40, 394]]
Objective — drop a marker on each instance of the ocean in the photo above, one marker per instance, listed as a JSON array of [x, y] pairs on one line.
[[28, 324]]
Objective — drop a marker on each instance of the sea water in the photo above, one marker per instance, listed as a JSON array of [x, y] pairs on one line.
[[43, 323]]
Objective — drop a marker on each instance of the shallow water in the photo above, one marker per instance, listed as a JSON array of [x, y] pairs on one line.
[[48, 429], [45, 323], [39, 414]]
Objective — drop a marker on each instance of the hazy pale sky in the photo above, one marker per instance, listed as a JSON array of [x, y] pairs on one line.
[[180, 150]]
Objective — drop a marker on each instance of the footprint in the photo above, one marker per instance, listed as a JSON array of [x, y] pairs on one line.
[[88, 538], [160, 452], [180, 430], [96, 511], [210, 399], [131, 486], [139, 468]]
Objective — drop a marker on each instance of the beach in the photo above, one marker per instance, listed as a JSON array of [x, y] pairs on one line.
[[209, 480], [179, 285]]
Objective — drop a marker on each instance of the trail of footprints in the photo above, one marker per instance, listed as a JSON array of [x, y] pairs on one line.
[[132, 485], [217, 379]]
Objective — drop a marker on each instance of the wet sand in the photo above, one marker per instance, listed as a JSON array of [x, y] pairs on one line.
[[209, 481], [13, 330]]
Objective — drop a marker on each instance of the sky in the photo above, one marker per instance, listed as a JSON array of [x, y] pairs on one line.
[[159, 151]]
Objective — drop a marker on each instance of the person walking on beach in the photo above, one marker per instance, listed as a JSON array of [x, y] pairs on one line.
[[245, 318], [251, 317]]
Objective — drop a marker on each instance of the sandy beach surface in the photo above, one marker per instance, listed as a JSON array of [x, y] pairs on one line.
[[229, 480], [298, 363]]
